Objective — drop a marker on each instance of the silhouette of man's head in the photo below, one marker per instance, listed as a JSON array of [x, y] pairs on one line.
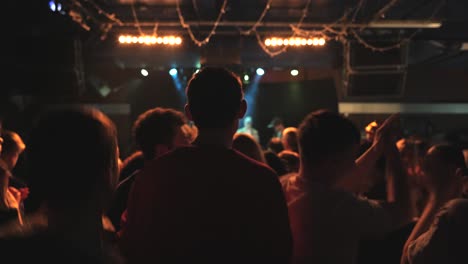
[[158, 126], [215, 98], [328, 139], [73, 159], [444, 167], [289, 139]]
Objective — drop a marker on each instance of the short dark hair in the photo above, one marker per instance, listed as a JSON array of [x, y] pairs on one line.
[[156, 126], [72, 157], [275, 145], [448, 154], [289, 139], [323, 134], [214, 97]]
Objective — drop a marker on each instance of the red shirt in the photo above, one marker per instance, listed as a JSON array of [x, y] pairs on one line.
[[207, 203]]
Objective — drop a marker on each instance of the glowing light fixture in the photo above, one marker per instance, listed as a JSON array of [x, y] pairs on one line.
[[246, 77], [52, 6], [294, 42], [294, 72], [173, 72], [144, 72], [150, 40], [260, 71]]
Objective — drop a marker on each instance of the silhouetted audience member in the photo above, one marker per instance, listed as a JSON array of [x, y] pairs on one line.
[[278, 126], [275, 145], [289, 139], [207, 203], [275, 162], [156, 132], [291, 160], [72, 157], [376, 187], [327, 220], [13, 190], [441, 234], [247, 145]]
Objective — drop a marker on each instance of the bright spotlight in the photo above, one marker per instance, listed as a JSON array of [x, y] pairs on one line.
[[294, 72], [173, 72], [52, 6], [260, 71], [144, 72], [246, 77]]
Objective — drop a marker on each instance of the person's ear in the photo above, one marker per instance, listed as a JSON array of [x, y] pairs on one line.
[[187, 112], [242, 109]]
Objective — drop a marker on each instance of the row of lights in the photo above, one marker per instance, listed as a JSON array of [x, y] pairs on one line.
[[294, 42], [150, 40], [173, 72], [260, 72]]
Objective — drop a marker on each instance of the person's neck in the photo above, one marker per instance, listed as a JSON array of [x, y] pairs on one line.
[[80, 226], [317, 175], [215, 137]]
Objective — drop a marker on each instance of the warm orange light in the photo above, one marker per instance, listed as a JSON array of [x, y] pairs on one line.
[[294, 42], [150, 40]]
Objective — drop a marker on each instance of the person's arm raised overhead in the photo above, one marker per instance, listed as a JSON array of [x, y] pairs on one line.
[[366, 163]]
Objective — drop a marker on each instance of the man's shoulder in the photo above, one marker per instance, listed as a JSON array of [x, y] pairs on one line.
[[250, 164]]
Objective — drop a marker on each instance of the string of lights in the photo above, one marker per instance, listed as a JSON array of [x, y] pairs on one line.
[[284, 48], [200, 43], [111, 17], [383, 10], [259, 20], [135, 17]]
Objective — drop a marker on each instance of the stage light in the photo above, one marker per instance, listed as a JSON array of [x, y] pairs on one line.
[[144, 72], [246, 77], [294, 42], [52, 6], [321, 42], [150, 40], [315, 42], [294, 72], [173, 72], [260, 72]]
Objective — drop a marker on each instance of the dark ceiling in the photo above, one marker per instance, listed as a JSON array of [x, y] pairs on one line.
[[45, 36]]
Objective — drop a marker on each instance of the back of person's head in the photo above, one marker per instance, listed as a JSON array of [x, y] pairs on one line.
[[291, 160], [275, 145], [289, 139], [247, 145], [214, 98], [13, 146], [275, 162], [73, 159], [443, 164], [157, 126], [324, 135]]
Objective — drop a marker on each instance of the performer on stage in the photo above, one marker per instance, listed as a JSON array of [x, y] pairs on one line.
[[248, 128]]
